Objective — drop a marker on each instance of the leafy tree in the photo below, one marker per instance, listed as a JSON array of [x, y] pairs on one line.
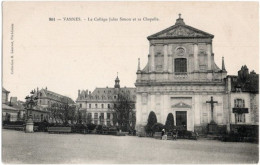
[[55, 110], [152, 119], [247, 81], [124, 110], [169, 124], [63, 113]]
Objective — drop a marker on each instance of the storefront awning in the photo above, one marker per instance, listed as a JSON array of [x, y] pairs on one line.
[[240, 110]]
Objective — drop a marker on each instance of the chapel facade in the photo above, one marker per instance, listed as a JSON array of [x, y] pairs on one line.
[[181, 78]]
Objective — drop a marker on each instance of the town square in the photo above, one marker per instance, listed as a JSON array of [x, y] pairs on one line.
[[176, 87], [45, 148]]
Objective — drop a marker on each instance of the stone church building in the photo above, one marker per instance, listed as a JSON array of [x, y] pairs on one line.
[[181, 78]]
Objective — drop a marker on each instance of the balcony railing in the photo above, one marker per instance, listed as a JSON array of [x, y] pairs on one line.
[[181, 75]]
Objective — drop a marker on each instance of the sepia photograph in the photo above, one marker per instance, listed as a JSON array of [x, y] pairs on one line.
[[140, 82]]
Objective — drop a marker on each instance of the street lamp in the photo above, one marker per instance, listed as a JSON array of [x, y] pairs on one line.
[[31, 101]]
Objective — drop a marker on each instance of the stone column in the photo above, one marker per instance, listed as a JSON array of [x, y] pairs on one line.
[[195, 52], [165, 54], [105, 118], [170, 58], [209, 56], [98, 118], [152, 57], [92, 117]]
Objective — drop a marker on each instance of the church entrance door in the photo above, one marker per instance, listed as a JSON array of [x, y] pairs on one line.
[[181, 120]]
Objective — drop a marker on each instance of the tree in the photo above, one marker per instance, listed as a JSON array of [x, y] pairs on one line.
[[152, 119], [63, 113], [123, 108], [169, 124], [55, 110], [89, 118]]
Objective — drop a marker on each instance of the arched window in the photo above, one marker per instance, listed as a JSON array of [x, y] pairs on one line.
[[180, 65]]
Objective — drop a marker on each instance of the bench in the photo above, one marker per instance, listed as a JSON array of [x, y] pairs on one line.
[[157, 135], [59, 129], [14, 127]]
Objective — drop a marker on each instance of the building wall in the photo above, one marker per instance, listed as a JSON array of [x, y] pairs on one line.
[[251, 102], [5, 97], [162, 100]]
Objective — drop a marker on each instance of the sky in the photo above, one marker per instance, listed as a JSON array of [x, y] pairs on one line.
[[66, 56]]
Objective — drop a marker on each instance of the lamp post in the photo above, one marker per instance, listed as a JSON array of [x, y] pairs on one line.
[[31, 101]]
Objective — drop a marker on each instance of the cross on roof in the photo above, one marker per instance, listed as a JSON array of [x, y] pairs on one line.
[[180, 15]]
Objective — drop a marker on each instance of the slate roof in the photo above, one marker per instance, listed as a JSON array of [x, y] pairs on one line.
[[18, 105], [56, 96], [106, 94], [4, 106]]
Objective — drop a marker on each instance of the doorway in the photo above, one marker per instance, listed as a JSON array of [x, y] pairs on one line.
[[181, 120]]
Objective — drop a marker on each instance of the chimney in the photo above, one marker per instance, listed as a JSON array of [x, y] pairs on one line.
[[46, 88], [78, 93], [13, 100]]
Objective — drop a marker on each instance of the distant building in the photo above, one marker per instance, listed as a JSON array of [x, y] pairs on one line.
[[12, 110], [98, 105], [46, 99]]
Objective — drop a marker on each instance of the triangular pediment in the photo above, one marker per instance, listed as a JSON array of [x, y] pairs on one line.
[[180, 31], [181, 105]]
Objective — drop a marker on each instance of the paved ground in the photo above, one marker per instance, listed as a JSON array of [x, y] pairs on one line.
[[19, 147]]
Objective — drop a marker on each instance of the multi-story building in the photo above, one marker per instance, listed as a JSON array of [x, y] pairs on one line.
[[98, 106], [243, 98], [46, 99], [181, 78], [12, 110]]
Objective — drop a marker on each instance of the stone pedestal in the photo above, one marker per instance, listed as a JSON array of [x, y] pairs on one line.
[[212, 128], [29, 126]]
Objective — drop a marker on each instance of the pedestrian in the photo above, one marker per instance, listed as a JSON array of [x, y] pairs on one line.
[[163, 132]]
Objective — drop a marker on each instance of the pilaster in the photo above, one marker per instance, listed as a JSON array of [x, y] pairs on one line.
[[195, 51], [152, 57], [209, 56]]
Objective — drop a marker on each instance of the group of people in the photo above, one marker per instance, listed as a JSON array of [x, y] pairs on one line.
[[164, 136]]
